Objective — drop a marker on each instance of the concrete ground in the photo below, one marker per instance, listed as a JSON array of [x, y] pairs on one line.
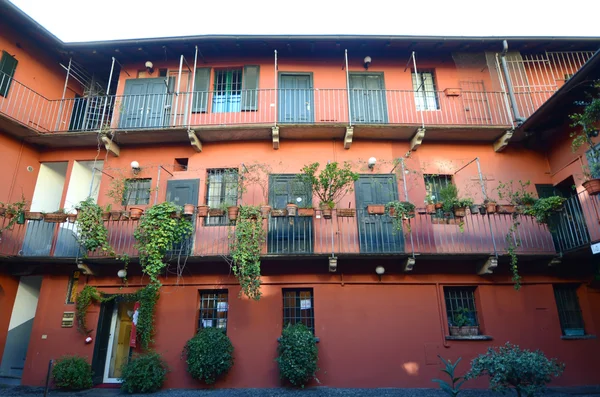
[[23, 391]]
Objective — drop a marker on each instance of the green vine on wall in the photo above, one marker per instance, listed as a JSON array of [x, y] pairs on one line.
[[246, 244], [511, 247], [157, 233], [91, 231]]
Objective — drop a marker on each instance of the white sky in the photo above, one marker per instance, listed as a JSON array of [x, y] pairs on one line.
[[86, 20]]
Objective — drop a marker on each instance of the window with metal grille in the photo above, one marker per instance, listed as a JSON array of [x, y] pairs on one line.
[[222, 192], [298, 307], [72, 288], [213, 309], [457, 300], [426, 97], [569, 312], [8, 65], [228, 90], [435, 183], [137, 191]]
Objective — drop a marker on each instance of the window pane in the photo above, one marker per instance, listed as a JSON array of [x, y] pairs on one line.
[[458, 299], [228, 87], [298, 306], [213, 309], [222, 191], [137, 192], [569, 311]]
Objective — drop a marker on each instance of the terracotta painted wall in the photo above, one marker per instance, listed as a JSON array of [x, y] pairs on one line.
[[371, 334], [15, 179], [8, 293]]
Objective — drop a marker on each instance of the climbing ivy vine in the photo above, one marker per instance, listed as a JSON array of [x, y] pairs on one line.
[[91, 231]]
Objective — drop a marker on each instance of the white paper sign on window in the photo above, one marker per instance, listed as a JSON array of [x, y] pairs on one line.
[[304, 304], [221, 306], [207, 323]]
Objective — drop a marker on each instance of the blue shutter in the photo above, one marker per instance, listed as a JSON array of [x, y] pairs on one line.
[[201, 88]]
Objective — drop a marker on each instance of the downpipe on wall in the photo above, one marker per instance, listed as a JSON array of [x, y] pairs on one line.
[[511, 94]]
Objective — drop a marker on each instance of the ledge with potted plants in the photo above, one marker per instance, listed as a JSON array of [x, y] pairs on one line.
[[400, 211], [463, 326], [14, 212]]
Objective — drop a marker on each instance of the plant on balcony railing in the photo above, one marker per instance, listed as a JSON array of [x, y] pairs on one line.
[[331, 184], [14, 212], [246, 242], [588, 123], [91, 231], [544, 208], [157, 233], [400, 211]]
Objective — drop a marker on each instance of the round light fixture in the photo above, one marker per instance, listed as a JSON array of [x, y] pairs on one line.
[[122, 273], [380, 270]]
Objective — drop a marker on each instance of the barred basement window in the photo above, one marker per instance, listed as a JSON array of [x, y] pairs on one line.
[[72, 287], [137, 192], [222, 192], [458, 299], [298, 307], [213, 309], [569, 311]]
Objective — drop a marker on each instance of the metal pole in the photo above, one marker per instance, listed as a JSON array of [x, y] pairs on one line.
[[112, 68], [193, 87], [157, 186], [348, 88], [276, 89], [412, 245], [174, 111], [92, 181], [481, 178], [417, 79], [511, 94], [50, 363], [63, 95]]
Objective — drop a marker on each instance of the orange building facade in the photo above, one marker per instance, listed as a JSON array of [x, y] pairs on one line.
[[193, 111]]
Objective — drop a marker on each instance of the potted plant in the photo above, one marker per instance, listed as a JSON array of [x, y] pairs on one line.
[[490, 206], [33, 216], [452, 203], [330, 185], [346, 212], [218, 211], [587, 123], [400, 209], [376, 209], [232, 212], [544, 208], [462, 323], [135, 213], [202, 211], [58, 216], [257, 175], [188, 209], [304, 211], [460, 206], [292, 209], [430, 203]]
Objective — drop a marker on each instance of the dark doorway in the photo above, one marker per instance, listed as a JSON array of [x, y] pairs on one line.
[[102, 337], [181, 192]]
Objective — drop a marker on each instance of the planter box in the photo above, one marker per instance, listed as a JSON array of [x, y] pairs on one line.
[[592, 186], [115, 215], [278, 213], [506, 209], [452, 91], [202, 211], [33, 216], [376, 209], [346, 212], [308, 212], [216, 212], [464, 331], [460, 212], [55, 218]]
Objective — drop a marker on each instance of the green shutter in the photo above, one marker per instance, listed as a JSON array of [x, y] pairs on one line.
[[201, 86], [250, 88], [8, 65]]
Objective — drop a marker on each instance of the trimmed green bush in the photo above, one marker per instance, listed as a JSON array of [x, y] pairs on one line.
[[298, 355], [72, 373], [144, 373], [209, 355]]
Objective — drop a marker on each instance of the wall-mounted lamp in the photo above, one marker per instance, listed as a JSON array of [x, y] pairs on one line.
[[122, 273], [367, 62], [150, 66], [380, 270], [371, 163], [135, 167]]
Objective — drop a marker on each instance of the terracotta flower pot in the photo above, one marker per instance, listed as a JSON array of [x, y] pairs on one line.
[[592, 187], [232, 212], [265, 210], [376, 209], [292, 209], [33, 216], [115, 215], [439, 206], [188, 209], [460, 212], [490, 208], [430, 208], [202, 211], [346, 212], [422, 211], [136, 213], [105, 215], [125, 215], [327, 212], [307, 212]]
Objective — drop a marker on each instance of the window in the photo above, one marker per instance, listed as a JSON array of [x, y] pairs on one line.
[[435, 183], [298, 307], [457, 300], [8, 65], [222, 191], [213, 309], [228, 91], [181, 164], [424, 88], [137, 192], [569, 312], [72, 288]]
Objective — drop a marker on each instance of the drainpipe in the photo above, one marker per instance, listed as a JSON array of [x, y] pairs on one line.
[[511, 94]]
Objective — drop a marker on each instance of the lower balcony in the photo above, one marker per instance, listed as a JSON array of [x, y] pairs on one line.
[[361, 234]]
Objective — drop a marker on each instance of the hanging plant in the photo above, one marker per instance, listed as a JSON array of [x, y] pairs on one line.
[[156, 234], [15, 212], [400, 211], [544, 208], [246, 243], [512, 243], [84, 299], [91, 231]]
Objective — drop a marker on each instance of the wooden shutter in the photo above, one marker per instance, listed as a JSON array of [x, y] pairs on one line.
[[250, 88], [8, 65], [201, 87]]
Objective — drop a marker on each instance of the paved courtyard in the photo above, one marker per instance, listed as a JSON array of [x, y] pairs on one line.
[[20, 391]]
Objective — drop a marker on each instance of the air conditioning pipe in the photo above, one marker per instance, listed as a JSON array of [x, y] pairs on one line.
[[511, 94]]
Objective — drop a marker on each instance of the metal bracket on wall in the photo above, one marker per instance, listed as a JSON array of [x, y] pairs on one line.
[[110, 146], [554, 262], [348, 137], [416, 140], [194, 141], [409, 264], [489, 266], [275, 135], [85, 269], [502, 142]]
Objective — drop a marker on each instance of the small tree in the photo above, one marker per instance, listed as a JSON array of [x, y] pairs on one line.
[[331, 184], [72, 373], [144, 373], [209, 355], [510, 367], [298, 355]]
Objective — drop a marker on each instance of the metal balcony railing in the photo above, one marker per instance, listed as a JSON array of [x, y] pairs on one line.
[[578, 224], [297, 236]]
